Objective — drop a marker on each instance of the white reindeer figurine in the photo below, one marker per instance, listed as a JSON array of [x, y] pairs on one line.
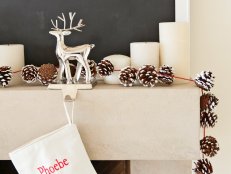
[[65, 53]]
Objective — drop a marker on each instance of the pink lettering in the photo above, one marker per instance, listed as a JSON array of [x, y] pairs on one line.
[[40, 169], [52, 169], [55, 166], [65, 162], [61, 165], [46, 170]]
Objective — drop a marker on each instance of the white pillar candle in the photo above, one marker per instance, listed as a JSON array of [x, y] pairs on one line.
[[175, 47], [182, 13], [13, 55], [144, 53], [119, 62]]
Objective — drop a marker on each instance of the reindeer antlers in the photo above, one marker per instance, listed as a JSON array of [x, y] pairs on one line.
[[71, 16]]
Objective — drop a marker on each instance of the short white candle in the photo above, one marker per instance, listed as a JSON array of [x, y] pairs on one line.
[[13, 55], [175, 47], [144, 53], [119, 62]]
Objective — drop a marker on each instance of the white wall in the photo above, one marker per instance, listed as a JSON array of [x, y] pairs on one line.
[[211, 50]]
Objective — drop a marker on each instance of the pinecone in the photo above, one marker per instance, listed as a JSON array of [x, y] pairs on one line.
[[92, 66], [208, 101], [5, 75], [47, 73], [205, 80], [165, 75], [127, 76], [208, 119], [209, 146], [105, 68], [203, 166], [29, 73], [147, 76]]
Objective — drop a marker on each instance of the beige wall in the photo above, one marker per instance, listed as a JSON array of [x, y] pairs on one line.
[[211, 50]]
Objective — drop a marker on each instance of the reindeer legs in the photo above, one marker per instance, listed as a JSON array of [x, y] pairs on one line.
[[78, 71], [87, 68], [61, 71], [82, 62], [68, 71]]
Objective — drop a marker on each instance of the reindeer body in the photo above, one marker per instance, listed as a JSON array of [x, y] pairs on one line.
[[65, 53]]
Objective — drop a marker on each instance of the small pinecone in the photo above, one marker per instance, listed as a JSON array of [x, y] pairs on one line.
[[203, 166], [209, 146], [5, 75], [47, 73], [208, 119], [105, 68], [208, 101], [92, 66], [127, 76], [165, 75], [29, 73], [147, 76], [205, 80]]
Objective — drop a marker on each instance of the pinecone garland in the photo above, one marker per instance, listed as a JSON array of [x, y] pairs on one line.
[[127, 76], [92, 66], [209, 146], [5, 75], [29, 73], [47, 73], [165, 75], [203, 166], [208, 101], [205, 80], [208, 119], [147, 76], [105, 68]]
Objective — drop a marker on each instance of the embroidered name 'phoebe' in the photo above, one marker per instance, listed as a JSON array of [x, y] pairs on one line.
[[52, 169]]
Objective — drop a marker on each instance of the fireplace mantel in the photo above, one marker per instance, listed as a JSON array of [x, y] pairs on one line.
[[115, 123]]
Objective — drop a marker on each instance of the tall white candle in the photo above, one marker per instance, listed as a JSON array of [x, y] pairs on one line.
[[13, 55], [144, 53], [119, 62], [182, 13], [175, 47]]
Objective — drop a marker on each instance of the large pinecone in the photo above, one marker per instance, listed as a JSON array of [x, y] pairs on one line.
[[5, 75], [208, 101], [92, 66], [203, 166], [208, 119], [29, 73], [105, 68], [209, 146], [47, 73], [205, 80], [127, 76], [147, 76], [165, 75]]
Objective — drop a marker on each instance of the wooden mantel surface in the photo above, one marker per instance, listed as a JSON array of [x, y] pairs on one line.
[[115, 123]]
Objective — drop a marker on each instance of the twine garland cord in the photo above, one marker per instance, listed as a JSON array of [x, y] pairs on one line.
[[182, 78], [17, 71], [204, 128]]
